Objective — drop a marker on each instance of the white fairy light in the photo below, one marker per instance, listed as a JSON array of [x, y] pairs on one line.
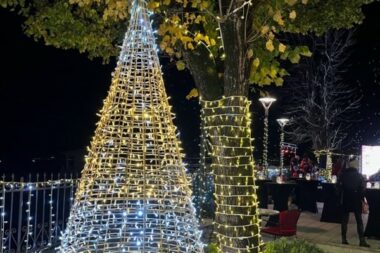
[[134, 195], [266, 102]]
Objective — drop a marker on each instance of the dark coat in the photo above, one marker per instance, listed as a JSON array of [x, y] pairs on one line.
[[351, 187]]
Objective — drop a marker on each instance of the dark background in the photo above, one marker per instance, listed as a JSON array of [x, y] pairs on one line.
[[49, 99]]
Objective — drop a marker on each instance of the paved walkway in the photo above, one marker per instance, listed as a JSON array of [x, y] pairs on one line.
[[327, 235]]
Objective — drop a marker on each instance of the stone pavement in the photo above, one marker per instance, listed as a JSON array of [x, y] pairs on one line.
[[327, 235]]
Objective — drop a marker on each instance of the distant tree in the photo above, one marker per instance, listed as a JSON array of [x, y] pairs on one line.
[[322, 104]]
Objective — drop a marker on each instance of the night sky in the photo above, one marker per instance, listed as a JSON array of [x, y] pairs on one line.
[[49, 97]]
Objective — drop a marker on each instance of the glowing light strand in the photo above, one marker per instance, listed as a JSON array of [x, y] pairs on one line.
[[228, 125], [134, 195]]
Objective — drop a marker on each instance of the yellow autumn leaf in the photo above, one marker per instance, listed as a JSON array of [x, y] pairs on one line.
[[281, 48], [198, 37], [163, 45], [180, 65], [185, 39], [207, 40], [278, 18], [249, 53], [166, 38], [279, 81], [178, 55], [269, 45], [256, 62], [273, 72], [292, 14], [291, 2], [271, 36], [192, 94], [190, 46], [153, 5], [264, 29], [169, 50], [166, 2], [212, 42], [204, 5], [198, 19]]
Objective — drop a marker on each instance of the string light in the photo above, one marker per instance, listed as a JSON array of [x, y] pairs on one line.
[[2, 217], [134, 195], [266, 102], [29, 226], [327, 172], [227, 123], [282, 122]]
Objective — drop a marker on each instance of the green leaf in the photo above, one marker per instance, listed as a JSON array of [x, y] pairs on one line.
[[279, 81], [294, 57], [305, 51]]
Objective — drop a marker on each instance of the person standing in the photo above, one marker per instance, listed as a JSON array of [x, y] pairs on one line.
[[338, 166], [306, 165], [351, 186], [294, 166]]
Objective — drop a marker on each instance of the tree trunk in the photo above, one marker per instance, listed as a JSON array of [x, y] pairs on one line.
[[204, 72], [228, 125]]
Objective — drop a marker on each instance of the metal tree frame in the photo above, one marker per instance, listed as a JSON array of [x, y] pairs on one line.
[[134, 195]]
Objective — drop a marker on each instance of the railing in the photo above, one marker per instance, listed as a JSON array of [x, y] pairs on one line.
[[33, 214]]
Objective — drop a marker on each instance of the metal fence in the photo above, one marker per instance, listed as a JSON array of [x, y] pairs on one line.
[[33, 214], [34, 211]]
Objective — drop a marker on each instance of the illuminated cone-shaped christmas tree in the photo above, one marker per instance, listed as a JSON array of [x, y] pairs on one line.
[[134, 195]]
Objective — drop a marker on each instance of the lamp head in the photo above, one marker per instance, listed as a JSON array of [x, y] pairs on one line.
[[282, 122], [267, 101]]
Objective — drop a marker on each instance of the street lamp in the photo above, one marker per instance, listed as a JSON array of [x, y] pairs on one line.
[[282, 122], [266, 102]]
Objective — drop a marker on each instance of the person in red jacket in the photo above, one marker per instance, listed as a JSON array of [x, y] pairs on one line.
[[295, 166], [306, 165], [338, 166]]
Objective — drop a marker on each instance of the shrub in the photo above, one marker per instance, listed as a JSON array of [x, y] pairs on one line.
[[284, 245], [211, 248]]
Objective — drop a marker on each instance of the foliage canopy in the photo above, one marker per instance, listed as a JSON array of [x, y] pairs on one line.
[[217, 40]]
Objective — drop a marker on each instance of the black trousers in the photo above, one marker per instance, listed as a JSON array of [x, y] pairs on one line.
[[359, 224]]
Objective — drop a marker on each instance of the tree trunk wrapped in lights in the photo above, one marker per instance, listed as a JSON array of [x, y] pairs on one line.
[[327, 171], [228, 124], [134, 195]]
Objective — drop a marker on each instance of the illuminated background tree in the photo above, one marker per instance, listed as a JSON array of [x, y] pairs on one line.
[[134, 195], [323, 104]]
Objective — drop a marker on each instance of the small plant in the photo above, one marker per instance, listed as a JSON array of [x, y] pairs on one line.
[[291, 246], [211, 248]]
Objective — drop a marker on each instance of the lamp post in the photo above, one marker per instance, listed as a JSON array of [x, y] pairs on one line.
[[266, 102], [282, 122]]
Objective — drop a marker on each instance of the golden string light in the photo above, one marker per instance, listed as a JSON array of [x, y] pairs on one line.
[[228, 126], [134, 195], [326, 172]]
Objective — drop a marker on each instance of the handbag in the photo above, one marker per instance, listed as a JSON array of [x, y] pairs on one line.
[[365, 207]]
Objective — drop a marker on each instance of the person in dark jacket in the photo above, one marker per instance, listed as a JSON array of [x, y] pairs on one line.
[[351, 186]]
